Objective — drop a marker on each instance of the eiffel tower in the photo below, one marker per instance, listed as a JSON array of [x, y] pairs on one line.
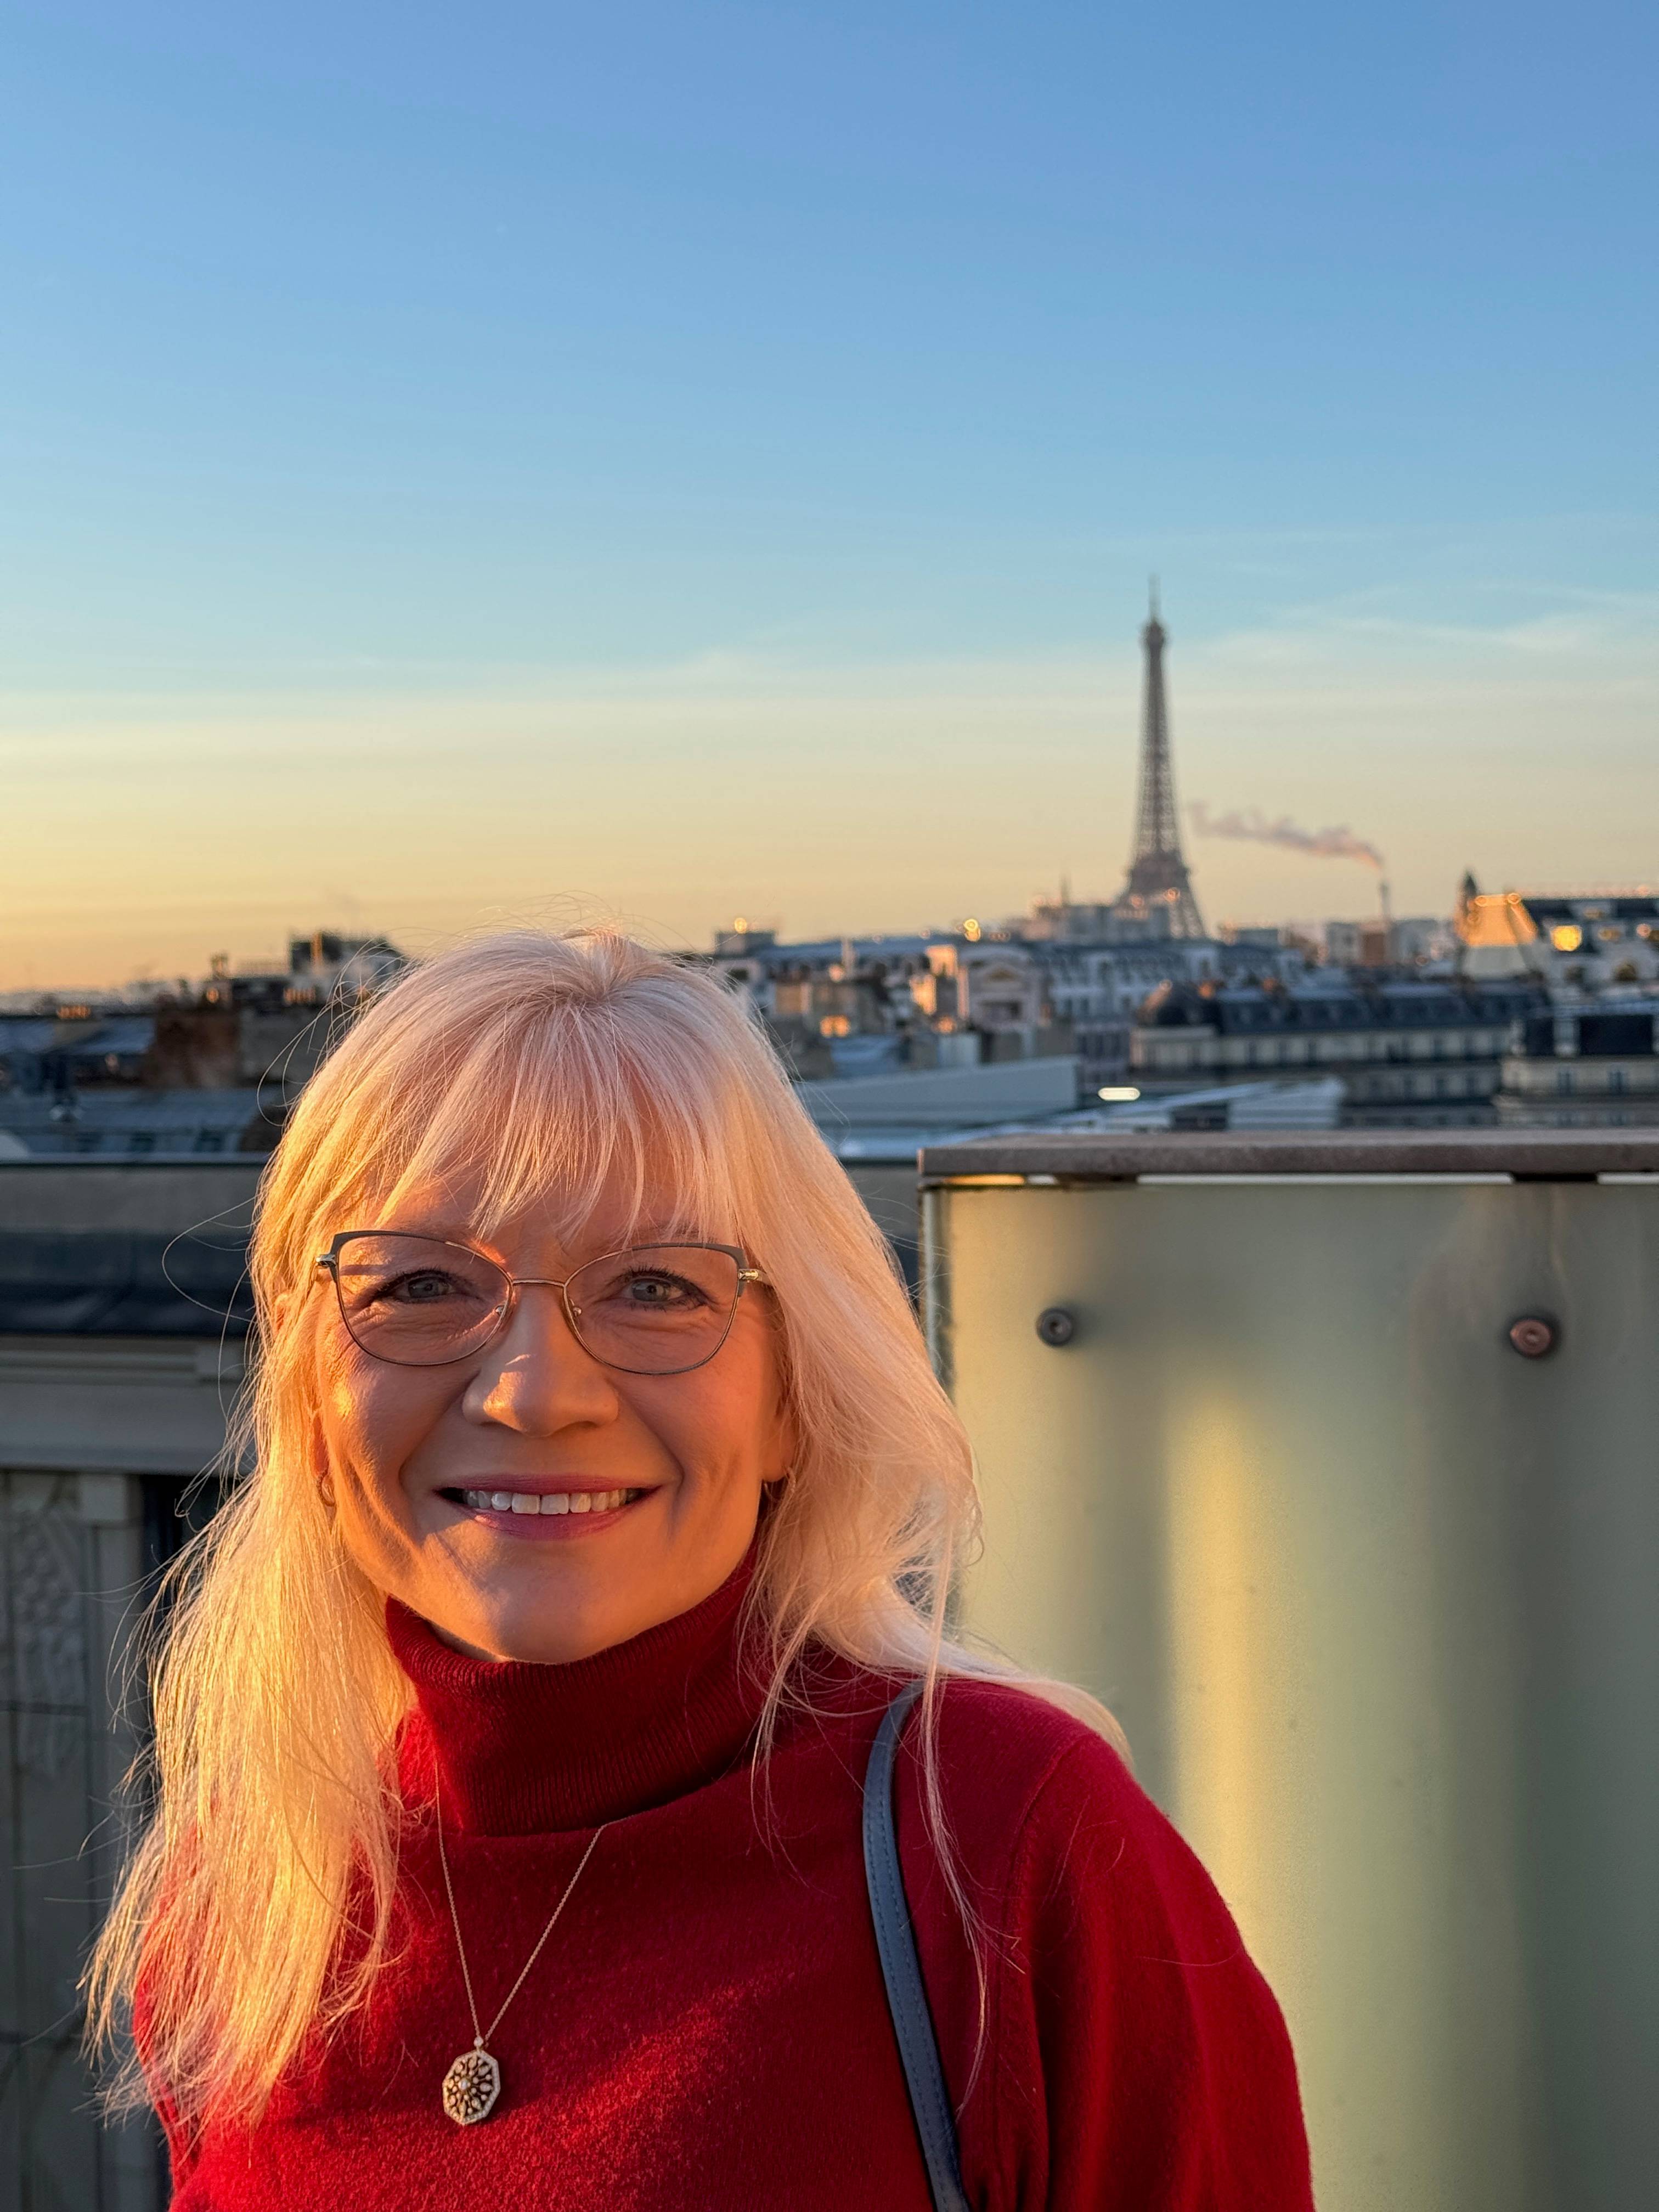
[[1159, 893]]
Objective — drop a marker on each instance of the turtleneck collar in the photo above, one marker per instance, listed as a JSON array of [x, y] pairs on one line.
[[522, 1749]]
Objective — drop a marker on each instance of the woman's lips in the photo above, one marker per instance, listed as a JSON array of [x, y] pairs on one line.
[[516, 1511], [548, 1501]]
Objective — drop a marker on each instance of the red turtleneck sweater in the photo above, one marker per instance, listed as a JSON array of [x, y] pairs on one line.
[[707, 2031]]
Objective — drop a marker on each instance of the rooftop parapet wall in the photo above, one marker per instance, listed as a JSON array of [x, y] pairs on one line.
[[1326, 1459], [1532, 1155], [137, 1249]]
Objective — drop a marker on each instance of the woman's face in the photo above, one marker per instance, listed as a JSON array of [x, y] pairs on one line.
[[535, 1415]]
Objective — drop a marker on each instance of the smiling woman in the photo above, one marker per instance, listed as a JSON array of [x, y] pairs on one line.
[[510, 1719]]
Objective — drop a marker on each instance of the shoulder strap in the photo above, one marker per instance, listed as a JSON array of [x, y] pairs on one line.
[[907, 1995]]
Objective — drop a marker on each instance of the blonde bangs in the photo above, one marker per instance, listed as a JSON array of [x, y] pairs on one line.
[[540, 1102]]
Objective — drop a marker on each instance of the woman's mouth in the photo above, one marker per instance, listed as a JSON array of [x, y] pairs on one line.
[[542, 1515], [525, 1502]]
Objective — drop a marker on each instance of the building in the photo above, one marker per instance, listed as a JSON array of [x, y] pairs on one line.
[[1064, 918], [135, 1123], [339, 967], [1384, 941], [123, 1318], [1358, 944], [1420, 939], [997, 986], [1381, 941], [72, 1047], [863, 1005], [1409, 1054], [197, 1072], [1310, 1105], [1584, 1064], [1098, 990], [1580, 940]]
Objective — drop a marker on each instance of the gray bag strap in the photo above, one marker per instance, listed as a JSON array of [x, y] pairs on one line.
[[901, 1969]]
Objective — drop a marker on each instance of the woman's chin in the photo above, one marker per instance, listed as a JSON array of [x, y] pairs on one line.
[[540, 1628]]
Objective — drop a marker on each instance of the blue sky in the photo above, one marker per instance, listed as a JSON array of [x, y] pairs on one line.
[[459, 460]]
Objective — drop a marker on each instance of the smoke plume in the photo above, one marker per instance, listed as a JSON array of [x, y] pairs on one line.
[[1252, 825]]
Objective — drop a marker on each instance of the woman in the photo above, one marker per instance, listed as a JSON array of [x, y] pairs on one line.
[[511, 1719]]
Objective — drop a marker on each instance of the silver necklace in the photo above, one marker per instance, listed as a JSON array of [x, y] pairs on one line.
[[474, 2081]]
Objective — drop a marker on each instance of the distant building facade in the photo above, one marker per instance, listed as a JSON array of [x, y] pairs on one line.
[[1410, 1054], [854, 1006], [1584, 1064], [1582, 940], [196, 1071], [123, 1319], [1382, 941]]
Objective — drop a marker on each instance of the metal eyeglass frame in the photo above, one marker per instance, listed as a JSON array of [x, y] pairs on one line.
[[330, 1262]]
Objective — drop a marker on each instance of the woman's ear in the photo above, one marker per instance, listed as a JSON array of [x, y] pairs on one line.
[[783, 1443], [321, 1471], [786, 1437]]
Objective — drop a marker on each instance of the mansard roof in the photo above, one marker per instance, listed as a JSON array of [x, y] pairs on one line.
[[1403, 1003]]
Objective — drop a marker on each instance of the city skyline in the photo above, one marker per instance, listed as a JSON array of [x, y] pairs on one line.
[[907, 797]]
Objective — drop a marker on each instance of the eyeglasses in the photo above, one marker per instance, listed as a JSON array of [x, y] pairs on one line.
[[422, 1302]]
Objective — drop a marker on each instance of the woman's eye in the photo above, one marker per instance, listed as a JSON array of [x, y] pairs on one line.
[[658, 1291], [422, 1288]]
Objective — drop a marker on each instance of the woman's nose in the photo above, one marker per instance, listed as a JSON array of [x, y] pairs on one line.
[[537, 1376]]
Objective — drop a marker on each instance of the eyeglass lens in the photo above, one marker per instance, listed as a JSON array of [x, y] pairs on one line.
[[418, 1301]]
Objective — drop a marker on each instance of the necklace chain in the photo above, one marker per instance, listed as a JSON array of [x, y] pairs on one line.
[[481, 2035]]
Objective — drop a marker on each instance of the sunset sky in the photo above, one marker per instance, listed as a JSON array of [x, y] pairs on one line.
[[673, 460]]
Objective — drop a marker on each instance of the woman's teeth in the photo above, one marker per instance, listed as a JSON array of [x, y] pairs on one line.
[[551, 1501]]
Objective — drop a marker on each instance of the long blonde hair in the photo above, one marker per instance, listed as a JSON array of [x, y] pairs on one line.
[[258, 1906]]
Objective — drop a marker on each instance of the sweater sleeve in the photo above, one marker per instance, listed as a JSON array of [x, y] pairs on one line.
[[1142, 2063]]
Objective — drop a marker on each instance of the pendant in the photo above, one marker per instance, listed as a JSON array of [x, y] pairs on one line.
[[471, 2087]]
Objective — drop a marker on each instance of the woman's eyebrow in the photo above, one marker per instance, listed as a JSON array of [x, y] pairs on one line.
[[441, 1228], [414, 1221], [451, 1229]]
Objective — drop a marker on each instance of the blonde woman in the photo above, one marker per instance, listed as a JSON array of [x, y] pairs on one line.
[[526, 1742]]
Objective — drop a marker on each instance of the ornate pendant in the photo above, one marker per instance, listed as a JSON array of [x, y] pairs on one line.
[[471, 2087]]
